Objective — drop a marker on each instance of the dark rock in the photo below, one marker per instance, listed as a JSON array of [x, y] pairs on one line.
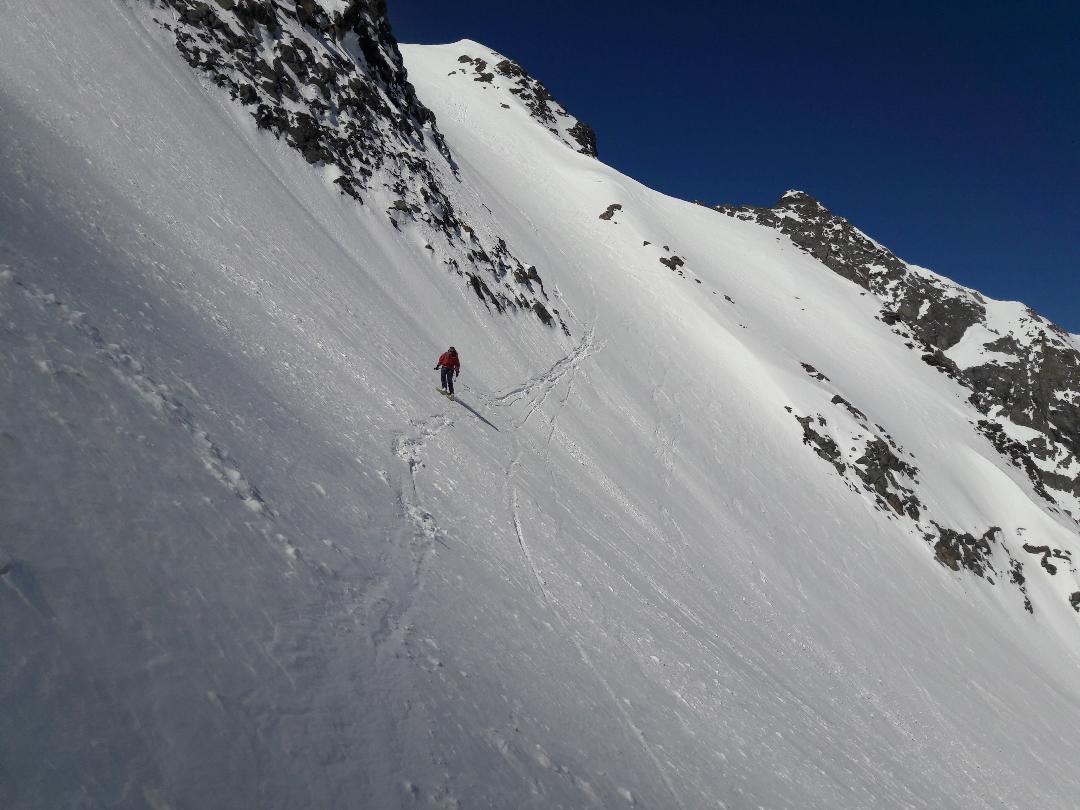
[[247, 94], [197, 13], [947, 555], [610, 212], [543, 314], [822, 445], [962, 550], [890, 318], [839, 400], [1045, 553], [1017, 578], [938, 360], [878, 468], [585, 137], [484, 293], [1015, 452], [529, 276]]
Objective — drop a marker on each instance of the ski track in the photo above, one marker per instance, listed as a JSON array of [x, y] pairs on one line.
[[411, 450], [566, 629], [536, 392], [542, 385]]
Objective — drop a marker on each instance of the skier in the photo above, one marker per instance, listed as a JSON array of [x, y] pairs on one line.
[[451, 367]]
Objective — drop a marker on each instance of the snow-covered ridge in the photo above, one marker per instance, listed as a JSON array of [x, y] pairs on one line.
[[516, 88], [1022, 370]]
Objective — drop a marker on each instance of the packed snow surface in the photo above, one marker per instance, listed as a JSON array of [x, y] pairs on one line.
[[251, 558]]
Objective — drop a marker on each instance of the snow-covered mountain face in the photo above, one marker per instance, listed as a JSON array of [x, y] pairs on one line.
[[735, 508], [1022, 370]]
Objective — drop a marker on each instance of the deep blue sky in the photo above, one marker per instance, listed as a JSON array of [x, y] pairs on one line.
[[951, 133]]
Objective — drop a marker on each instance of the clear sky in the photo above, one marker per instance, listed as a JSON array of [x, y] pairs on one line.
[[949, 131]]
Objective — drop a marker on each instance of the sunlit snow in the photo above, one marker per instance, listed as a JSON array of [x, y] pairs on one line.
[[251, 558]]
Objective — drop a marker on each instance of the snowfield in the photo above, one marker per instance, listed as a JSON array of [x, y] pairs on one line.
[[250, 557]]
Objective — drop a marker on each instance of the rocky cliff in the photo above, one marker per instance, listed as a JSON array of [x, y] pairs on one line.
[[326, 76]]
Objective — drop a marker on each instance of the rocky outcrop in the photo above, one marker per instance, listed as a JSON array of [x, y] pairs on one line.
[[326, 77], [673, 263], [329, 82], [958, 550], [1046, 554], [1034, 383], [870, 461], [863, 453], [937, 313]]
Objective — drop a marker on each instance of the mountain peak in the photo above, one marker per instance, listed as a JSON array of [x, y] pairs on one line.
[[802, 202], [793, 194]]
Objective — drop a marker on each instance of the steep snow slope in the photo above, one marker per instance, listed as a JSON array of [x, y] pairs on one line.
[[250, 558]]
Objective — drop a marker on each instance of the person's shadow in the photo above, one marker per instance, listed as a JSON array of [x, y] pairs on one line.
[[472, 410]]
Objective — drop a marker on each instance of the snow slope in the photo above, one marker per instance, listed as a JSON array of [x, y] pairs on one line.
[[251, 558]]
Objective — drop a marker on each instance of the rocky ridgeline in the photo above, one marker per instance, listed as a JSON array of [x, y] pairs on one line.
[[326, 76], [540, 104], [1028, 374]]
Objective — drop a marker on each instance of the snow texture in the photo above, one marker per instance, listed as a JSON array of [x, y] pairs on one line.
[[249, 558]]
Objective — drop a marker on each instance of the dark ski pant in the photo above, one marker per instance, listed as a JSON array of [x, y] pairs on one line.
[[448, 379]]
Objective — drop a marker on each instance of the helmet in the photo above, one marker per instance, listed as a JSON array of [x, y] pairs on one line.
[[453, 350]]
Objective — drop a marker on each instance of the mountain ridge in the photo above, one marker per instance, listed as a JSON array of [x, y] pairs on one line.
[[1022, 378]]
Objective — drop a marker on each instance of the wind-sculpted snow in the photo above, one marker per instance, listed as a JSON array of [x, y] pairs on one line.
[[249, 557]]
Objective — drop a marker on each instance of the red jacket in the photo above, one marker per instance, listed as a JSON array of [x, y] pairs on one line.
[[447, 360]]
